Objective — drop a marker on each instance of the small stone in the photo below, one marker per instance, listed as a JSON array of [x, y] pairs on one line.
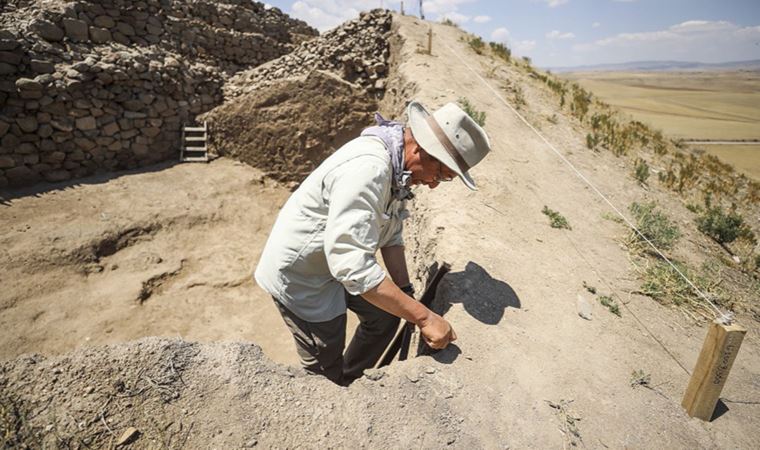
[[430, 370], [62, 124], [151, 131], [584, 308], [110, 129], [413, 378], [129, 435]]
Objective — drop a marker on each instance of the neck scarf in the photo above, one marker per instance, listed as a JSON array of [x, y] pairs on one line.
[[392, 135]]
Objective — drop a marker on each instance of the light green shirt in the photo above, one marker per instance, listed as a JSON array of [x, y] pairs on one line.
[[325, 238]]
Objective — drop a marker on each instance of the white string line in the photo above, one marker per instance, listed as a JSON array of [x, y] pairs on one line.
[[724, 317]]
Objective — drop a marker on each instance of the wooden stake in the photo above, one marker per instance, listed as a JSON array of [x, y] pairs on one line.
[[711, 371], [430, 40]]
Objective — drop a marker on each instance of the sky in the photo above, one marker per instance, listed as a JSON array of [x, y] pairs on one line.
[[563, 33]]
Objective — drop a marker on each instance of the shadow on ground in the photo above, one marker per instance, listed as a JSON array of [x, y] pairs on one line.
[[9, 194], [485, 298]]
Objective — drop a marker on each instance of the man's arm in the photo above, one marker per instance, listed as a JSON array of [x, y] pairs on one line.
[[395, 263], [436, 331]]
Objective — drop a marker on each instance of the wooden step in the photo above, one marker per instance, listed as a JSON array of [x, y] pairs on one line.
[[195, 138], [195, 129]]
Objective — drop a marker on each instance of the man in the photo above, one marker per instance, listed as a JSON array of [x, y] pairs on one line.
[[320, 256]]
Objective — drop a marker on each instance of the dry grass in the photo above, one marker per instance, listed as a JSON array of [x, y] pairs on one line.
[[714, 105]]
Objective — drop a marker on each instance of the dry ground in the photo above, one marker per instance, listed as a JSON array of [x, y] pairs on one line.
[[170, 252], [689, 105]]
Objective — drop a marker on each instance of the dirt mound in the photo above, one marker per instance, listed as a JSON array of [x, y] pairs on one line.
[[286, 116], [177, 394], [288, 128], [357, 51]]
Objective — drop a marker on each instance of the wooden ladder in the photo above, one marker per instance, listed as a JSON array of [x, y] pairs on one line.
[[194, 141]]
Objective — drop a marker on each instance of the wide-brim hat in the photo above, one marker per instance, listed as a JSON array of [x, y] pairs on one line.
[[450, 136]]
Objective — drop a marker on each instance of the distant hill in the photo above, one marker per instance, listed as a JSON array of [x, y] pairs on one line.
[[661, 66]]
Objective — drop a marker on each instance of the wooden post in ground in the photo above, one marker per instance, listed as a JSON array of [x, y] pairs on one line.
[[711, 371], [430, 40]]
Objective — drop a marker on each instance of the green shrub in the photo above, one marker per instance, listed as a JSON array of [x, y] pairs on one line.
[[557, 220], [478, 116], [592, 141], [641, 171], [449, 22], [477, 44], [663, 283], [654, 225], [501, 50], [724, 227], [610, 304]]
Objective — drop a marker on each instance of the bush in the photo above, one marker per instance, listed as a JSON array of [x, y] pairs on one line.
[[641, 171], [664, 284], [654, 225], [557, 220], [501, 50], [477, 44], [610, 304], [724, 227], [478, 116], [449, 22]]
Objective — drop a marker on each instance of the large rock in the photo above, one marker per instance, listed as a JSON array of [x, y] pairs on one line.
[[28, 84], [7, 69], [47, 30], [76, 29], [54, 176], [4, 126], [104, 22], [27, 124], [10, 58], [40, 66], [86, 123], [100, 35], [6, 162], [21, 176]]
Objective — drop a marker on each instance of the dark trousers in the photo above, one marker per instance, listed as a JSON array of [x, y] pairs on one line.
[[320, 345]]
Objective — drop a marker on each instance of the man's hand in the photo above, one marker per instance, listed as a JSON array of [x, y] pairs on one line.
[[436, 331]]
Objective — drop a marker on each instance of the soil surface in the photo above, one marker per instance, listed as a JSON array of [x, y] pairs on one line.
[[170, 252]]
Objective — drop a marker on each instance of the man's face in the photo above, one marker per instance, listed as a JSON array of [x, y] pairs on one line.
[[432, 172], [425, 169]]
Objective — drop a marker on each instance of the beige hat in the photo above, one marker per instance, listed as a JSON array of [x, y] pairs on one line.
[[450, 136]]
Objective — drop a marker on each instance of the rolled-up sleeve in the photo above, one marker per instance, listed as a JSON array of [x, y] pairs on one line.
[[394, 235], [355, 193]]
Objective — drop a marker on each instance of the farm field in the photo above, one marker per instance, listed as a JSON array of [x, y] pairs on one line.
[[700, 106]]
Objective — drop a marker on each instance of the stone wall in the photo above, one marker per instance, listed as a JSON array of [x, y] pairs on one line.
[[356, 51], [92, 86]]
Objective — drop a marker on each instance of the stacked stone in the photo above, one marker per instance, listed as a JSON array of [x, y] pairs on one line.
[[92, 86], [357, 51]]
